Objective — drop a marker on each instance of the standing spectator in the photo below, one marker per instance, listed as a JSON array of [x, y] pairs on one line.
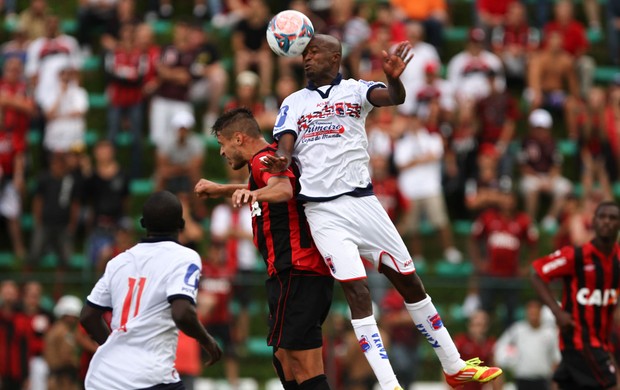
[[10, 376], [16, 47], [497, 115], [590, 278], [145, 42], [250, 46], [16, 108], [211, 79], [613, 31], [467, 71], [484, 190], [552, 81], [126, 67], [172, 95], [514, 41], [65, 111], [61, 349], [413, 75], [435, 105], [55, 209], [92, 15], [431, 13], [247, 94], [124, 13], [529, 348], [541, 169], [574, 42], [47, 56], [32, 20], [107, 191], [123, 239], [476, 342], [503, 233], [418, 155]]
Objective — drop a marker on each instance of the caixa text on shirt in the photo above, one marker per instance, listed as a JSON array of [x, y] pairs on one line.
[[597, 297]]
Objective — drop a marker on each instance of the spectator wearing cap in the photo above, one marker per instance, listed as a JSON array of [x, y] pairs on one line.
[[247, 94], [514, 41], [467, 71], [414, 74], [433, 14], [503, 231], [32, 20], [65, 111], [435, 104], [541, 169], [126, 67], [574, 42], [47, 56], [552, 81], [61, 348]]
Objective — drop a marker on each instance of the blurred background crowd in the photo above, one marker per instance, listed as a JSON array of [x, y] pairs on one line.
[[509, 137]]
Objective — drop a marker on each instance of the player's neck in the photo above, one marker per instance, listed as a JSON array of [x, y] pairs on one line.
[[255, 147], [604, 246], [325, 79]]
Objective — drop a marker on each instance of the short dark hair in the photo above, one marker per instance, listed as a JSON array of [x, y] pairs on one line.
[[238, 119], [605, 204], [162, 213]]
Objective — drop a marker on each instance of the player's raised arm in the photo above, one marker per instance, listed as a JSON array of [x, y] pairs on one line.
[[209, 189], [185, 318], [284, 156], [393, 66]]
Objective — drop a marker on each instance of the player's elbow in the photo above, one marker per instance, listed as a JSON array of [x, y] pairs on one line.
[[183, 313]]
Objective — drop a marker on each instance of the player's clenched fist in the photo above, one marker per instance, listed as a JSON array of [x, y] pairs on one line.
[[213, 349], [205, 188]]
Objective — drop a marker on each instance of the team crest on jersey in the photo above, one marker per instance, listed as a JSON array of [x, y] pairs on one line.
[[364, 343], [330, 264], [435, 321], [192, 276]]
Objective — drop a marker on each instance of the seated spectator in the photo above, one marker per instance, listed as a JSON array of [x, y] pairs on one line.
[[65, 113], [541, 169], [16, 47], [107, 194], [32, 20], [514, 41], [93, 15], [250, 46], [484, 190], [16, 109], [126, 67], [247, 94], [172, 94], [492, 13], [414, 74], [211, 79], [418, 156], [552, 81], [55, 210], [431, 13], [497, 115], [467, 71], [47, 56], [124, 13], [574, 41], [613, 31], [503, 232], [11, 376], [598, 165], [434, 99]]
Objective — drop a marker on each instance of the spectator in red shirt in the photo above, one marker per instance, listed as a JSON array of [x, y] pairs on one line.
[[492, 13], [513, 41], [503, 232], [16, 108], [575, 42]]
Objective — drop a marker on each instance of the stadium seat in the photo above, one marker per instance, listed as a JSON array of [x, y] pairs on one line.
[[124, 138], [161, 27], [141, 187], [258, 346], [27, 222], [33, 137], [68, 26], [91, 137], [92, 63], [456, 33], [462, 227], [7, 259], [605, 74], [446, 269], [567, 147], [97, 100]]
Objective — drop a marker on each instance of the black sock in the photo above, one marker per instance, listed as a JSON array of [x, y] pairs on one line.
[[319, 382], [288, 385]]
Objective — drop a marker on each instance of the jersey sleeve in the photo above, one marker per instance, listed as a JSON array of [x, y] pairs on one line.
[[184, 278], [364, 88], [261, 178], [286, 122], [100, 296], [558, 264]]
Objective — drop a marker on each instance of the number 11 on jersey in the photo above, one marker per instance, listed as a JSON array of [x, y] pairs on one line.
[[128, 300]]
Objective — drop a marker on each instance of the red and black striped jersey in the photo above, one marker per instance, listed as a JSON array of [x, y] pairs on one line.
[[590, 291], [281, 231]]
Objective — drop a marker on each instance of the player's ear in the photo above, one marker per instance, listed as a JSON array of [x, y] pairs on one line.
[[142, 223], [182, 224]]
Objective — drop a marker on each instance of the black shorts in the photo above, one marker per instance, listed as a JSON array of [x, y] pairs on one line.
[[299, 302], [589, 369]]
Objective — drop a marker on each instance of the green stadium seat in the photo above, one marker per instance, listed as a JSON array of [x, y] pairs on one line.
[[446, 269], [161, 27], [426, 228], [92, 63], [7, 259], [595, 36], [97, 100], [605, 74], [616, 189], [258, 346], [68, 26], [78, 261], [124, 138], [33, 137], [456, 33], [27, 221], [567, 147], [91, 137], [141, 187], [462, 227]]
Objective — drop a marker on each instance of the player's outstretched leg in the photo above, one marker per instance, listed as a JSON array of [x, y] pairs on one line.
[[427, 320], [367, 332]]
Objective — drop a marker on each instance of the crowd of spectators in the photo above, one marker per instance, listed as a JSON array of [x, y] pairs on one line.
[[481, 137]]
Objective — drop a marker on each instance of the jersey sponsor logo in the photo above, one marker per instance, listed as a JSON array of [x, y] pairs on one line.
[[431, 340], [597, 297], [317, 132], [192, 276], [364, 343], [408, 263], [552, 265], [330, 264], [435, 321], [340, 109], [503, 240], [376, 339]]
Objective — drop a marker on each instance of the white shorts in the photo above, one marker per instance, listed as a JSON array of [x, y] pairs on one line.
[[347, 228], [10, 203]]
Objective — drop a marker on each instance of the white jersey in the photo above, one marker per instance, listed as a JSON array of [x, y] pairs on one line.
[[138, 286], [331, 144]]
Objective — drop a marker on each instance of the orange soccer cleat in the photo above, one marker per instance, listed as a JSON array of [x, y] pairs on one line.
[[473, 372]]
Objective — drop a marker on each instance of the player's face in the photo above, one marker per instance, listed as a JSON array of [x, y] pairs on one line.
[[229, 148], [607, 222], [317, 59]]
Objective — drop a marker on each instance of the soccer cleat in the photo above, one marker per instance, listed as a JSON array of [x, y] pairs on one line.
[[473, 372]]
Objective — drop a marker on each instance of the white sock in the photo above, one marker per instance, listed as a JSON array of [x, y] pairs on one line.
[[428, 322], [371, 343]]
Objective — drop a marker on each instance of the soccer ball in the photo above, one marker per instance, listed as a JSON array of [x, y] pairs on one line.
[[289, 32]]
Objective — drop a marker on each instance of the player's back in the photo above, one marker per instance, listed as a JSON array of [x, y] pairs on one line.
[[138, 285]]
